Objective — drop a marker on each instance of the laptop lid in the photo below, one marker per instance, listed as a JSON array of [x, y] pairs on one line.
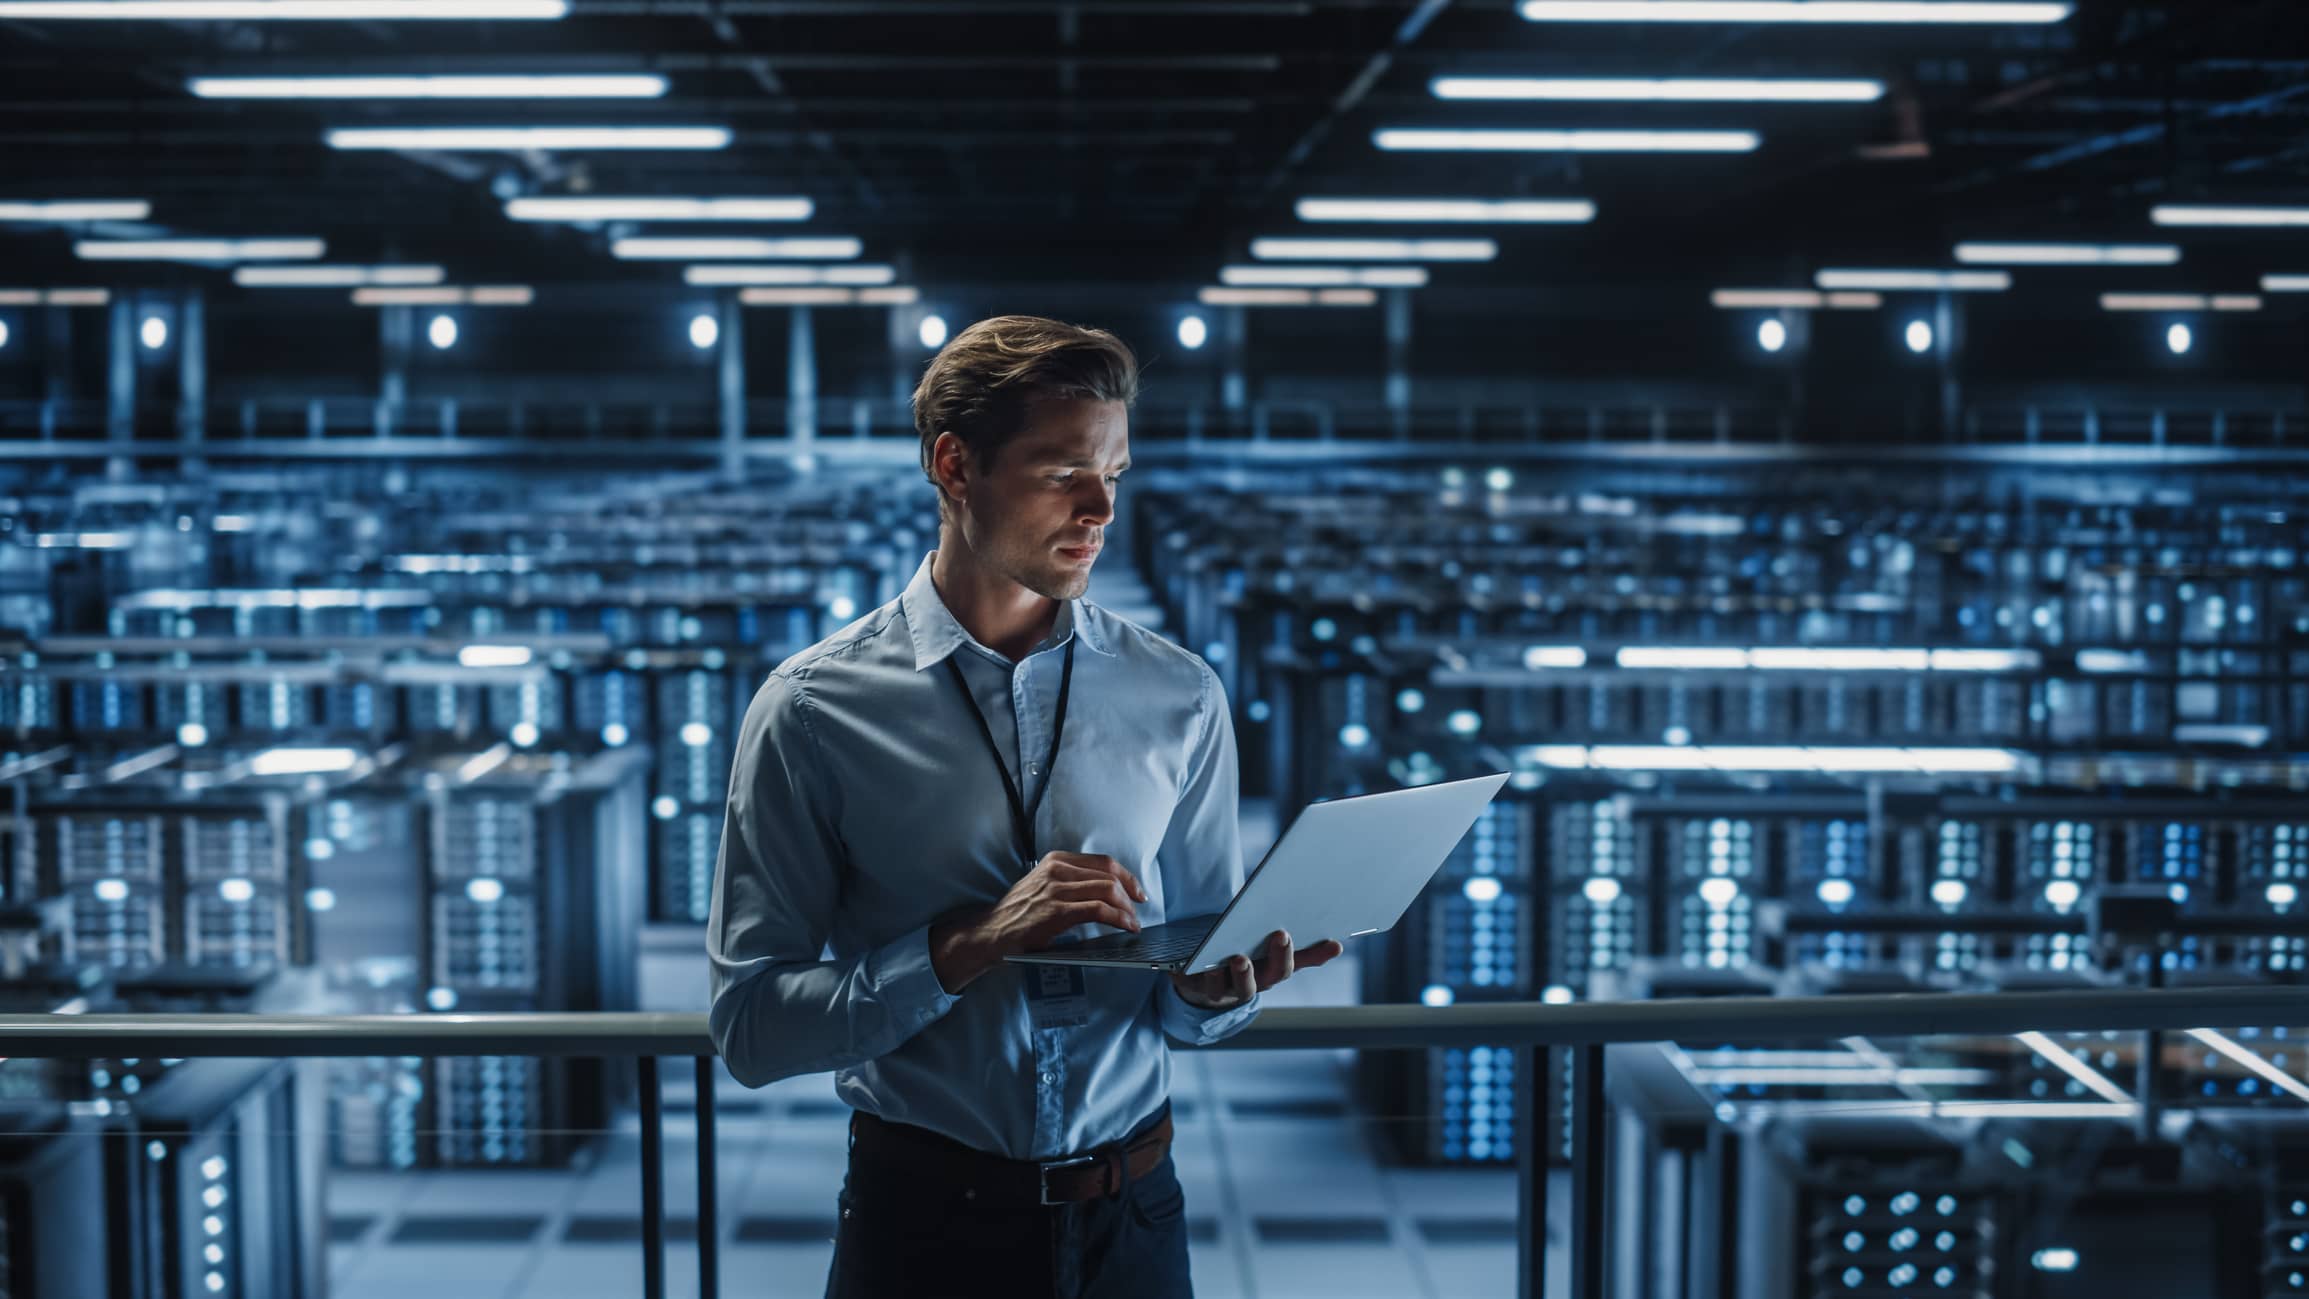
[[1348, 868]]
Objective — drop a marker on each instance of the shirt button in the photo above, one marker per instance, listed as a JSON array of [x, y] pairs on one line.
[[1046, 1078]]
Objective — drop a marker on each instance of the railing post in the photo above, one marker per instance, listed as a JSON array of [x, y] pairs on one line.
[[1723, 1227], [652, 1180], [1531, 1170], [709, 1229], [1590, 1181]]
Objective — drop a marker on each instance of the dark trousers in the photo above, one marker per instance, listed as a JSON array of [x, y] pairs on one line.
[[925, 1218]]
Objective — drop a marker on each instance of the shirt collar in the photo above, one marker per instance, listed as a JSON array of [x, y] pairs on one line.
[[937, 635]]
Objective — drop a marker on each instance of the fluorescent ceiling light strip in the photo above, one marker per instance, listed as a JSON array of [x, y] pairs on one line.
[[265, 10], [1891, 1109], [1759, 757], [1375, 250], [2068, 1063], [493, 656], [1806, 659], [1681, 90], [2253, 1062], [76, 209], [798, 297], [2285, 284], [302, 761], [55, 297], [333, 277], [198, 250], [829, 297], [1984, 254], [1768, 299], [1907, 281], [1702, 656], [430, 87], [1985, 660], [2155, 302], [589, 208], [1864, 1076], [515, 138], [2179, 302], [729, 273], [648, 248], [1242, 297], [1794, 11], [1569, 211], [1400, 139], [1662, 757], [2250, 217], [1375, 277], [1725, 1057], [480, 295], [1976, 761]]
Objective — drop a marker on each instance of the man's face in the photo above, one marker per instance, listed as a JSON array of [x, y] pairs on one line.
[[1038, 514]]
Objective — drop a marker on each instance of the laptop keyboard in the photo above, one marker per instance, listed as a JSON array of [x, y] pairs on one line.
[[1172, 941], [1170, 948]]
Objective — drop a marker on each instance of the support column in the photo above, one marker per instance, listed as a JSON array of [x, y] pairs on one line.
[[905, 342], [192, 375], [802, 387], [396, 338], [1398, 390], [1947, 327], [733, 384], [1234, 384], [56, 338], [120, 387]]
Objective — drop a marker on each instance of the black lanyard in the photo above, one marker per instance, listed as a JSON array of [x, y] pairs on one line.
[[1021, 812]]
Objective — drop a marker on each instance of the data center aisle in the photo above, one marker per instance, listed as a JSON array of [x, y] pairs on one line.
[[1285, 1197]]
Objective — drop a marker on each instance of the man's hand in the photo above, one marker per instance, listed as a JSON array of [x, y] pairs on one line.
[[1236, 981], [1063, 890]]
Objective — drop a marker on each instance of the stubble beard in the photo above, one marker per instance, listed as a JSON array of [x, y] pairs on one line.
[[1030, 564]]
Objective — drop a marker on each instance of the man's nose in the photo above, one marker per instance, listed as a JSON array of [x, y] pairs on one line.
[[1097, 506]]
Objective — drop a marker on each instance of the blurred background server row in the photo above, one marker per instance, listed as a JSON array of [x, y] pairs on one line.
[[1845, 458]]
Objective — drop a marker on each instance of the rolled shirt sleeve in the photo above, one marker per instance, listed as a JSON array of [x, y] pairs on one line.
[[1202, 860], [778, 1009]]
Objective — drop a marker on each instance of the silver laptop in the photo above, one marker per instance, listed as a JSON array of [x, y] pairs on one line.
[[1344, 869]]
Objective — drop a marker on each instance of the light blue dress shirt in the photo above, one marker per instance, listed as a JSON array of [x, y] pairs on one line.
[[864, 807]]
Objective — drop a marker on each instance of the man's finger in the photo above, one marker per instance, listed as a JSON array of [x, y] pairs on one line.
[[1245, 979], [1108, 866], [1310, 957], [1275, 961]]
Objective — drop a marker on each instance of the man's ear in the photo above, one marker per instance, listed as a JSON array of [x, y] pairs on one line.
[[949, 467]]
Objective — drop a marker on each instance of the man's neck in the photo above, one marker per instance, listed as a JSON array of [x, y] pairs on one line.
[[997, 612]]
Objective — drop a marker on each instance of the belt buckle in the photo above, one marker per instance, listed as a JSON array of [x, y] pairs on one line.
[[1043, 1177]]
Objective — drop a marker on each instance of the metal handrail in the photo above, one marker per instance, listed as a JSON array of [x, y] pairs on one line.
[[1533, 1028], [1508, 1023]]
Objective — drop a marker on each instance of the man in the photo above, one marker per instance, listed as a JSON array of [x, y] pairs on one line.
[[985, 765]]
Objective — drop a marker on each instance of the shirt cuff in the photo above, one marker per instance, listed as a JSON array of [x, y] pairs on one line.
[[1196, 1026], [906, 983]]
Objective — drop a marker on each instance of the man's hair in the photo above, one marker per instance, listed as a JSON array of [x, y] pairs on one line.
[[982, 385]]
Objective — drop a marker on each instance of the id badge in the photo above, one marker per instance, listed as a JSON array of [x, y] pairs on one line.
[[1056, 996]]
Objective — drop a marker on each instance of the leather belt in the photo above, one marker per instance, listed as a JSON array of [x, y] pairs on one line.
[[1086, 1176]]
